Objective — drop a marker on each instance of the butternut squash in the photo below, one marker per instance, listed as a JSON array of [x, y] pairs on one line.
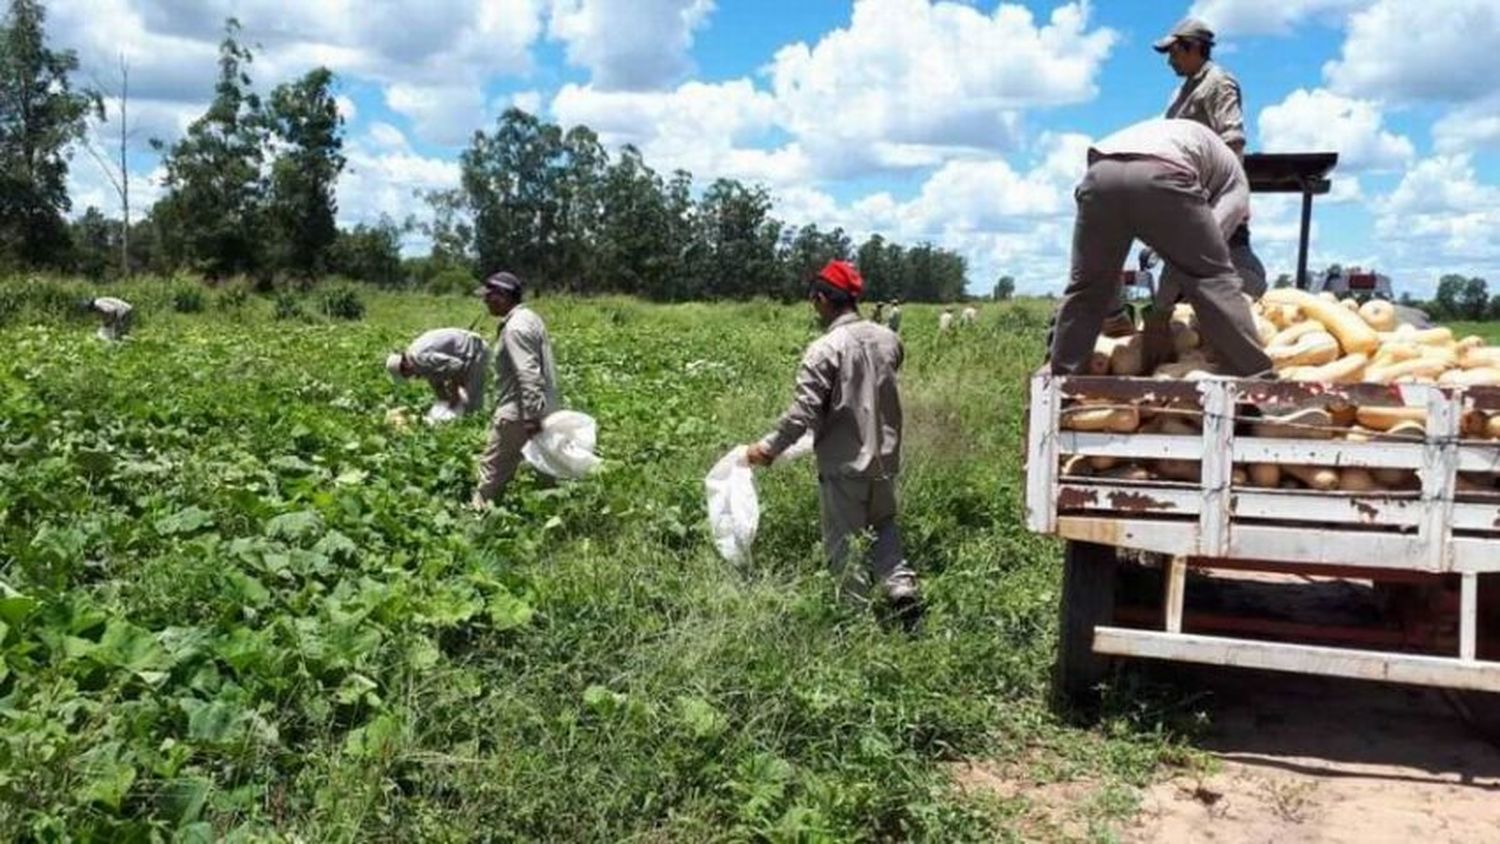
[[1265, 475], [1291, 334], [1480, 358], [1313, 349], [1353, 333], [1310, 423], [1487, 376], [1417, 367], [1179, 470], [1385, 418], [1119, 420], [1320, 478], [1379, 314], [1345, 370], [1357, 480]]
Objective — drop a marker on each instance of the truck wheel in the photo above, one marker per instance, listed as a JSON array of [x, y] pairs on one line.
[[1088, 599]]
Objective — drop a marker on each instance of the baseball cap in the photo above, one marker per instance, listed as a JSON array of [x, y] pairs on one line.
[[501, 282], [1190, 29]]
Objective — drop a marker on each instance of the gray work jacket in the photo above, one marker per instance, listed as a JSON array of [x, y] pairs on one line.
[[847, 395], [525, 378]]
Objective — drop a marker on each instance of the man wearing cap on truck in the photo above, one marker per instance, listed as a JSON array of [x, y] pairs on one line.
[[1211, 95], [452, 360], [1176, 186], [847, 395], [526, 384]]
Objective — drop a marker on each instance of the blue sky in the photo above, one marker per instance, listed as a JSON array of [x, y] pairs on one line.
[[960, 123]]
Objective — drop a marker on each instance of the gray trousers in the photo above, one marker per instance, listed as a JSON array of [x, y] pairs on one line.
[[1121, 200], [853, 507], [501, 457]]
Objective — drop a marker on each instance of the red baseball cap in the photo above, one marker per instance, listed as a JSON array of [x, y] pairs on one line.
[[843, 275]]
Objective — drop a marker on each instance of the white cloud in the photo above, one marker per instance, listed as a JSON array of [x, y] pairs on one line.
[[709, 129], [1269, 17], [909, 82], [384, 177], [1408, 51], [1441, 218], [1318, 121], [629, 45], [347, 109], [443, 114], [448, 47], [1471, 127]]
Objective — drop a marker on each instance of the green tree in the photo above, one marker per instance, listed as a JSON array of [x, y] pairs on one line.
[[1005, 288], [509, 190], [739, 241], [95, 244], [368, 253], [304, 120], [805, 251], [1474, 300], [1283, 281], [40, 117], [636, 254], [1448, 301], [211, 216]]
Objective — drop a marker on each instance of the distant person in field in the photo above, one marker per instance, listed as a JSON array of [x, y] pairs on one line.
[[116, 315], [968, 316], [526, 383], [453, 361], [945, 321], [893, 322], [879, 315], [1176, 186], [847, 395]]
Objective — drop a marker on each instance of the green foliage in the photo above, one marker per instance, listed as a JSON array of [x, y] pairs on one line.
[[232, 297], [341, 301], [303, 119], [239, 605], [369, 253], [452, 281], [40, 118], [1005, 287], [187, 299], [288, 306]]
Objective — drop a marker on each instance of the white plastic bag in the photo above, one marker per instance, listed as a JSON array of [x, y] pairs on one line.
[[734, 504], [442, 412], [564, 448]]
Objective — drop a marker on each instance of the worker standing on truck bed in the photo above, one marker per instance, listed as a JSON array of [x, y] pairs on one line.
[[1211, 95], [1180, 189], [452, 360], [526, 384], [847, 396]]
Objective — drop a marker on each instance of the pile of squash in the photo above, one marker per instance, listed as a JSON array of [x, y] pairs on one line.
[[1309, 338]]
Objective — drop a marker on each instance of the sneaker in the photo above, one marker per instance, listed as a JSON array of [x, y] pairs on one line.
[[905, 604]]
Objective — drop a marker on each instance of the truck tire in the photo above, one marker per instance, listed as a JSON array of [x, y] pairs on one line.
[[1088, 599]]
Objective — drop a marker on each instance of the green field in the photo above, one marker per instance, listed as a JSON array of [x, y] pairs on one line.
[[237, 602]]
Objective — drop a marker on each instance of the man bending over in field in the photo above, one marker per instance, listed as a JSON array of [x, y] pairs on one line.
[[526, 383], [116, 314], [452, 360], [847, 395]]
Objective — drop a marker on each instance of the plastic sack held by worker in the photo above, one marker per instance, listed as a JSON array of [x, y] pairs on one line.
[[564, 448], [734, 504]]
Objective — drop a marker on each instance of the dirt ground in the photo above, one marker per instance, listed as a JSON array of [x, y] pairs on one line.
[[1320, 760]]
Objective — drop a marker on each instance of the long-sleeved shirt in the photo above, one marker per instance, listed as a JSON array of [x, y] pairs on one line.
[[1196, 149], [1212, 97], [444, 355], [526, 378], [847, 395]]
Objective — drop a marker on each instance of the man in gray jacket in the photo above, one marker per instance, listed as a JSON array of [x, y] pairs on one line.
[[847, 395], [526, 382], [452, 360], [1175, 185]]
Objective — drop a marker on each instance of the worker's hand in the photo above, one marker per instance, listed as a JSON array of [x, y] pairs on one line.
[[756, 455], [533, 427]]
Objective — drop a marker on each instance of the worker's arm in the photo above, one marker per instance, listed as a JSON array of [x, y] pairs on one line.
[[438, 366], [523, 343], [815, 379]]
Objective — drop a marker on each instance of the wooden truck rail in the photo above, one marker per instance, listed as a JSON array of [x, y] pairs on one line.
[[1438, 529]]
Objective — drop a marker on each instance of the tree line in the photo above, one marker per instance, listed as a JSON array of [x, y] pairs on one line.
[[250, 191]]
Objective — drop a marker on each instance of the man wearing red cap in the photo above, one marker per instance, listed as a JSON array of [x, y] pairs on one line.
[[847, 395]]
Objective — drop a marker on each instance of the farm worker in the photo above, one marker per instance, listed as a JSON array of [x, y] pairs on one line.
[[894, 320], [116, 314], [526, 383], [969, 316], [452, 360], [1211, 95], [945, 322], [1175, 185], [846, 394], [879, 316]]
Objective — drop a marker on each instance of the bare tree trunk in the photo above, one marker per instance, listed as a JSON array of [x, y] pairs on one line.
[[124, 167]]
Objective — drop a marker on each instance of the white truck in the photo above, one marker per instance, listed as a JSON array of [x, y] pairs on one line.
[[1430, 551]]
